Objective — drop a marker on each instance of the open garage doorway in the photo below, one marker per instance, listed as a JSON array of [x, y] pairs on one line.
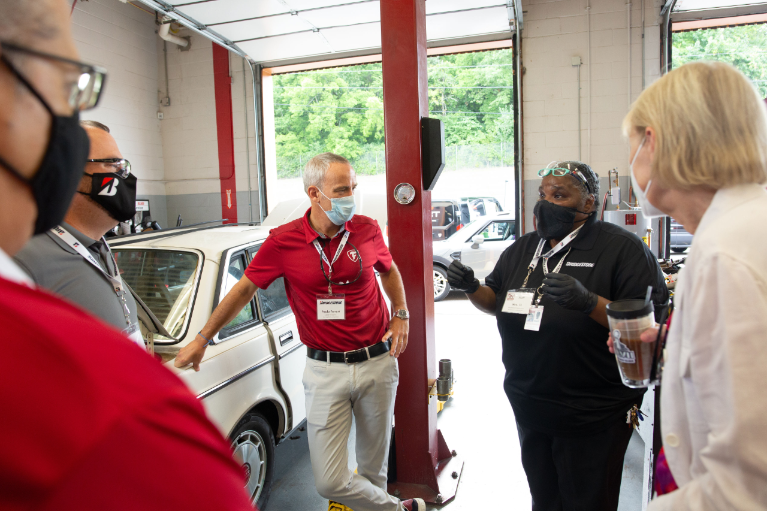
[[340, 109], [739, 40]]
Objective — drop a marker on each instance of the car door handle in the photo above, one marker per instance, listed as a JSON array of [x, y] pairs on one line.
[[286, 337]]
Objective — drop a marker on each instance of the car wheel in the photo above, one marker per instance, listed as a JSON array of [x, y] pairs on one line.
[[678, 250], [253, 446], [441, 286]]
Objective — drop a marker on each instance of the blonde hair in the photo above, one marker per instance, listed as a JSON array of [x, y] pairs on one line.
[[710, 125]]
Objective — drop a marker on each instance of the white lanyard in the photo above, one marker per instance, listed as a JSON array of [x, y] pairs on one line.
[[551, 253], [335, 257], [115, 280]]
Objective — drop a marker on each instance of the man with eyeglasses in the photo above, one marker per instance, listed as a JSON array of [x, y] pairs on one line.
[[73, 259], [549, 292], [89, 421]]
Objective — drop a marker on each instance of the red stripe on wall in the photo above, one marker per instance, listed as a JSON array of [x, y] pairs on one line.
[[225, 129]]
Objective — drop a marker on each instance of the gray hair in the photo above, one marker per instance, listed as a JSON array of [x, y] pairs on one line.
[[22, 22], [314, 172], [95, 124]]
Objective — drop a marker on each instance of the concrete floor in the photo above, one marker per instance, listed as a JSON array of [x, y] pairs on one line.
[[477, 422]]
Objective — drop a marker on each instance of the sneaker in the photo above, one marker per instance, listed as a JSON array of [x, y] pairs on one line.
[[414, 505]]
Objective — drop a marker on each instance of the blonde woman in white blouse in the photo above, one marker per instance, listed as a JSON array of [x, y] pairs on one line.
[[698, 140]]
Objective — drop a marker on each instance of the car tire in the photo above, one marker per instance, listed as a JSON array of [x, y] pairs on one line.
[[441, 285], [253, 447], [678, 250]]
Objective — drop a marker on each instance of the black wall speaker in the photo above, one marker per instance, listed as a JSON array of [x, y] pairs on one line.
[[432, 150]]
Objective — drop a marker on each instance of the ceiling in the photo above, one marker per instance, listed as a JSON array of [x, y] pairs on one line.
[[280, 32]]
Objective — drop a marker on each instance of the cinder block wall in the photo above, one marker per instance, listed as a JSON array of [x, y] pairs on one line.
[[190, 136], [555, 32], [122, 39]]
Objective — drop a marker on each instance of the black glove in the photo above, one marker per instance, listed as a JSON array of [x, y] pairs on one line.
[[569, 292], [461, 277]]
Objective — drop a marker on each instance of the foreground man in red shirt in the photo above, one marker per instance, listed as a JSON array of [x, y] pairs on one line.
[[89, 421], [328, 259]]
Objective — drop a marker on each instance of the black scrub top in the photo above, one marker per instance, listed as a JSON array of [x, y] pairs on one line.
[[562, 379]]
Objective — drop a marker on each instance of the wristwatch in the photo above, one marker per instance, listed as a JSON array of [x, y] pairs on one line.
[[401, 314]]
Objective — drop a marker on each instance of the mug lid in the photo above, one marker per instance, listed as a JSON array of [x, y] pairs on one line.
[[629, 309]]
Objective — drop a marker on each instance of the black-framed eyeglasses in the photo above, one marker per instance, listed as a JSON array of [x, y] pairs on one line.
[[119, 166], [86, 92]]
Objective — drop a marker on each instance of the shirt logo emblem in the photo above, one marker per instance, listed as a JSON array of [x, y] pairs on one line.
[[352, 255], [111, 186], [580, 265]]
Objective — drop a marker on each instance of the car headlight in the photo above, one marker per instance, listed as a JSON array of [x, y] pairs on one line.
[[456, 255]]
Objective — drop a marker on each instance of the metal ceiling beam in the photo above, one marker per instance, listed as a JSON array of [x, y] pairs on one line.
[[171, 12]]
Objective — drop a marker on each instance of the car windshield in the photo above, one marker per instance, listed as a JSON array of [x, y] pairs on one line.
[[164, 280], [469, 228]]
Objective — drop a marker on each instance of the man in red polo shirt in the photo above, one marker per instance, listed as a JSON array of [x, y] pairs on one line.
[[328, 258], [89, 420]]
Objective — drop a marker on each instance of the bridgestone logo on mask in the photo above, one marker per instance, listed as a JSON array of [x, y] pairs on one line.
[[111, 188]]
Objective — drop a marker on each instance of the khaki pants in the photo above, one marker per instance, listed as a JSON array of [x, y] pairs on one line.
[[335, 391]]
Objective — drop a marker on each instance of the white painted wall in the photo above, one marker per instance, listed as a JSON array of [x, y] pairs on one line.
[[121, 38], [189, 135], [555, 32]]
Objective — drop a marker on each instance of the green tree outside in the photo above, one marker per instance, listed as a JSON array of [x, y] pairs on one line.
[[341, 111], [745, 47]]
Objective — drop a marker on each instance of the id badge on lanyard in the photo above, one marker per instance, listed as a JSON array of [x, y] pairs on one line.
[[518, 301], [331, 306], [522, 301]]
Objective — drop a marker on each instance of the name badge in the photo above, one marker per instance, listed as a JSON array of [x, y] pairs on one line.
[[331, 307], [533, 321], [133, 332], [518, 301]]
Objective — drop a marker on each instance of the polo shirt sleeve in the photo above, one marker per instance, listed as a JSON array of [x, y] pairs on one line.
[[636, 269], [266, 266], [383, 256]]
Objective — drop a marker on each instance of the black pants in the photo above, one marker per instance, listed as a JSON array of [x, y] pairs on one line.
[[575, 474]]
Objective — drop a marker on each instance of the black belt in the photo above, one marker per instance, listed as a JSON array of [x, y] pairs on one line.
[[350, 357]]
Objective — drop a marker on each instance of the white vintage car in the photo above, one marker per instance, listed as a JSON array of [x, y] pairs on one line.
[[250, 381]]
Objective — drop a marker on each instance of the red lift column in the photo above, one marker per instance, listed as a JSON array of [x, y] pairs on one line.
[[425, 466]]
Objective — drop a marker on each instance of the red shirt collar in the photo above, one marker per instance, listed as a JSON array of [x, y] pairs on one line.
[[312, 235]]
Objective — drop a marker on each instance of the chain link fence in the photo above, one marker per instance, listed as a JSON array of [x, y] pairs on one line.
[[372, 160]]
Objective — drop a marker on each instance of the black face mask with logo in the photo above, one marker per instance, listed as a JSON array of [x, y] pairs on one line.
[[55, 182], [552, 221], [116, 194]]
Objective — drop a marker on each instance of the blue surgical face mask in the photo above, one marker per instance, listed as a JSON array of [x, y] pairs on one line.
[[341, 210], [648, 209]]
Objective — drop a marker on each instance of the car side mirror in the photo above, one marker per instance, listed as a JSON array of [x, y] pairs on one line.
[[477, 240]]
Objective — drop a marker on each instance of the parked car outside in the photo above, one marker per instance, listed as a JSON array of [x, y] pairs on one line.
[[478, 245], [445, 219], [250, 380], [475, 207], [681, 240]]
